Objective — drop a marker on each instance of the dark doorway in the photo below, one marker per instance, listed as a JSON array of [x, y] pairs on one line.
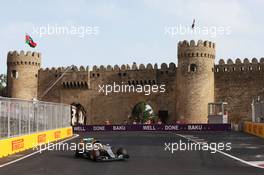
[[163, 116]]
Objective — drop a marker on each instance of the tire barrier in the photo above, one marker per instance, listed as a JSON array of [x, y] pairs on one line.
[[17, 144], [154, 127]]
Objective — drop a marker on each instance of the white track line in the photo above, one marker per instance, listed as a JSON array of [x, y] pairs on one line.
[[228, 155], [31, 154], [259, 163]]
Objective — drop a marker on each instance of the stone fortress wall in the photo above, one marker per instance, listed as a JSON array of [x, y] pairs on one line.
[[80, 85], [22, 74], [237, 82], [195, 79], [190, 86]]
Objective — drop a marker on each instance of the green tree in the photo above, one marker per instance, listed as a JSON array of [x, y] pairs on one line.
[[141, 112]]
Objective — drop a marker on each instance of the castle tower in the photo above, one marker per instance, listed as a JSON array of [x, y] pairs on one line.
[[22, 74], [195, 80]]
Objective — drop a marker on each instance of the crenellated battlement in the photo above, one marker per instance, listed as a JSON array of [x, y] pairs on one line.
[[200, 43], [116, 68], [62, 69], [22, 58], [22, 53], [134, 66], [240, 61], [199, 49], [239, 65]]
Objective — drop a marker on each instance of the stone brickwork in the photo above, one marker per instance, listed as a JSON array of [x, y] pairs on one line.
[[237, 83], [195, 79], [22, 74], [190, 86], [80, 85]]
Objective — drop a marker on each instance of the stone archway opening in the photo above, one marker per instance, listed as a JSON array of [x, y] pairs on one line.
[[143, 113], [78, 114]]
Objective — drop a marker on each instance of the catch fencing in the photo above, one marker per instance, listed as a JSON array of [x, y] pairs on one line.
[[21, 117], [258, 111]]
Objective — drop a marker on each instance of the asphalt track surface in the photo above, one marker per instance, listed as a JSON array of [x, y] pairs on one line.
[[147, 157]]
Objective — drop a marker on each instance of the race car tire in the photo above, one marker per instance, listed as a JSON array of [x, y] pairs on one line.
[[121, 151], [94, 155], [77, 154]]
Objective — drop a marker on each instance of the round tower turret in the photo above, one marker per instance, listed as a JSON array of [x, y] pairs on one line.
[[22, 74], [195, 80]]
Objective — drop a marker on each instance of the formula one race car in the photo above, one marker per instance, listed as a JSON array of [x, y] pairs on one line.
[[93, 149]]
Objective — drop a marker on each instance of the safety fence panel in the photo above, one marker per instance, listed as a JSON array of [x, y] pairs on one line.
[[21, 117]]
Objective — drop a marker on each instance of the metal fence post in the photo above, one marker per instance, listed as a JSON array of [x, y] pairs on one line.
[[8, 119], [37, 116], [45, 118], [19, 118], [1, 123], [29, 117]]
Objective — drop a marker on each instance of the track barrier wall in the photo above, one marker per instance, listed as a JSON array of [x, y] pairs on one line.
[[256, 129], [26, 124], [14, 145], [22, 117]]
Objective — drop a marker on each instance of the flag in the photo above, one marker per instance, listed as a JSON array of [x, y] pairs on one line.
[[30, 41], [193, 23]]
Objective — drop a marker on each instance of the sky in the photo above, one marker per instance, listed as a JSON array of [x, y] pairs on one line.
[[114, 32]]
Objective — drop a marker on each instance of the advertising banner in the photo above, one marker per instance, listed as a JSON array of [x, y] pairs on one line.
[[155, 127], [256, 129]]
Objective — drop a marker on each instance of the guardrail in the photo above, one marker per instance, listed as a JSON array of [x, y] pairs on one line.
[[154, 127], [22, 117]]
